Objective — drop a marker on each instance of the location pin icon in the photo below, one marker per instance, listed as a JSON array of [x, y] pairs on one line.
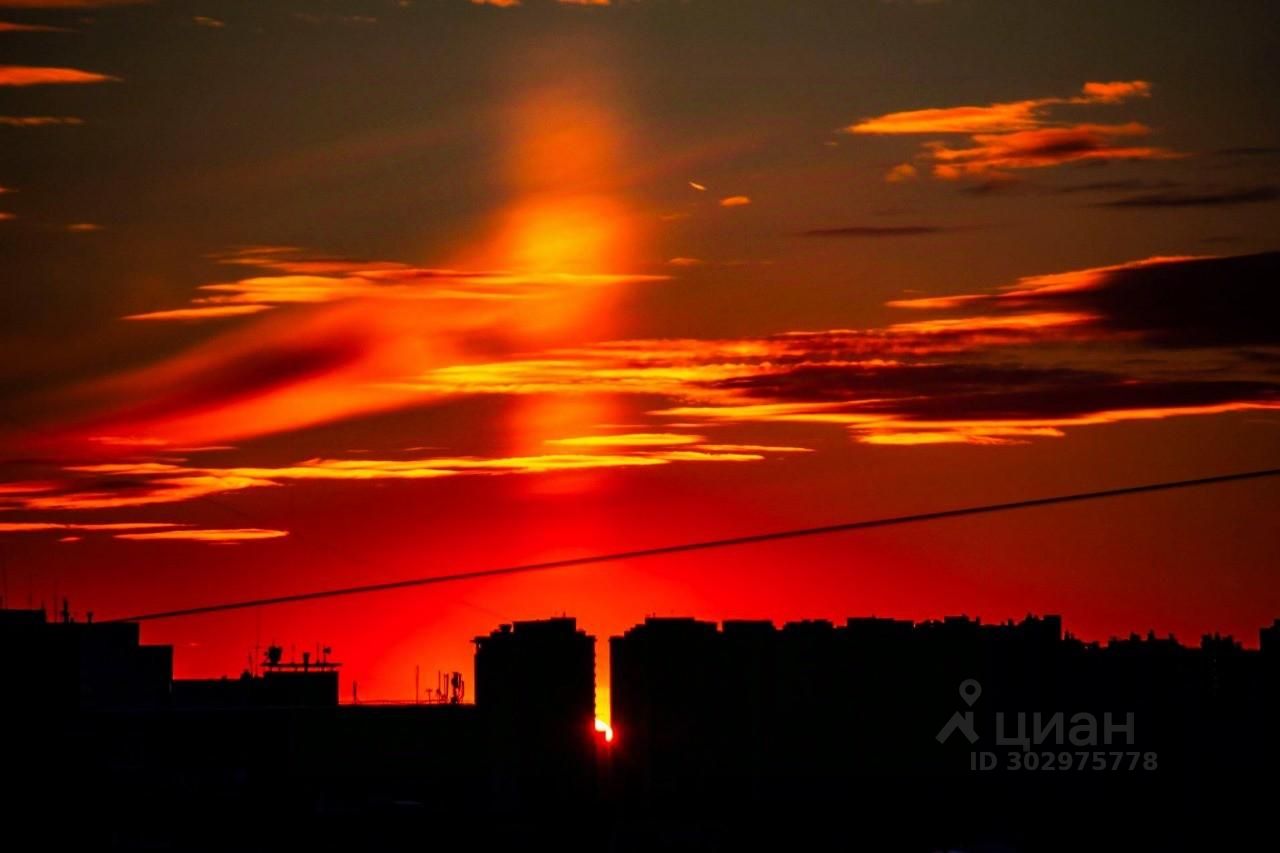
[[970, 690]]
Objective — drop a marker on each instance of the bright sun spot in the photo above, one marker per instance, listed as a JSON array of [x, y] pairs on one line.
[[605, 729]]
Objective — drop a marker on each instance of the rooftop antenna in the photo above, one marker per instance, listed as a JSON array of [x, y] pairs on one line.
[[457, 688], [257, 644]]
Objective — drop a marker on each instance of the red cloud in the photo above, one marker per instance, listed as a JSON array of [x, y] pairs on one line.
[[30, 75]]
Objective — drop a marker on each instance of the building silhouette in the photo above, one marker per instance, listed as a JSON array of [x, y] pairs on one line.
[[305, 683], [731, 735], [61, 666], [535, 690]]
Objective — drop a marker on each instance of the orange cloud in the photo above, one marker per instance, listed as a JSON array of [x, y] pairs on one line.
[[644, 439], [212, 535], [306, 280], [151, 484], [116, 485], [30, 75], [753, 448], [995, 118], [735, 201], [144, 531], [43, 526], [906, 431], [1016, 134], [203, 313], [985, 327], [1111, 93], [901, 172]]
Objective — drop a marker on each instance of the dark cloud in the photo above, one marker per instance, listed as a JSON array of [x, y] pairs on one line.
[[1050, 401], [1200, 302], [1250, 151], [1129, 185], [997, 184], [1011, 392], [878, 231], [1162, 302], [996, 154], [905, 403], [898, 381], [1224, 198]]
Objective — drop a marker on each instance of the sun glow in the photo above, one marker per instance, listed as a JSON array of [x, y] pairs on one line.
[[566, 214]]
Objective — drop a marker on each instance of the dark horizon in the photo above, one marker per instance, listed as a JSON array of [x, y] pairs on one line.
[[707, 718], [330, 293], [318, 659]]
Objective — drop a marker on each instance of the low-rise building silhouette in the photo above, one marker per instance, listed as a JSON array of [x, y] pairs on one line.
[[63, 666]]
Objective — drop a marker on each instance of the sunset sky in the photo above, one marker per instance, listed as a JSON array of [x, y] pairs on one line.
[[312, 293]]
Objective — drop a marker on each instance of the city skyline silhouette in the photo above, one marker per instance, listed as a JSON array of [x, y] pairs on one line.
[[707, 718]]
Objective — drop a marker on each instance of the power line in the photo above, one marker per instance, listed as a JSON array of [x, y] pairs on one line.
[[705, 545], [330, 550]]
